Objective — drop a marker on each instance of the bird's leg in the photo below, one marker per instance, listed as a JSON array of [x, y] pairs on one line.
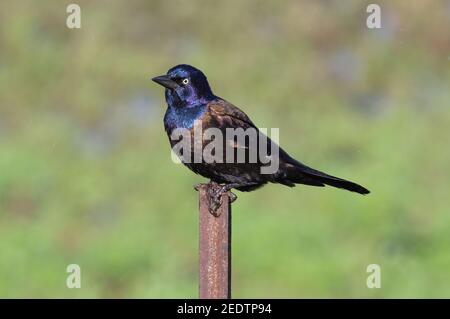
[[211, 183], [214, 195], [215, 192], [227, 187], [223, 189]]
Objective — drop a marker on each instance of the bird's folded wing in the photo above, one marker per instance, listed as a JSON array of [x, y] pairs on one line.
[[223, 108]]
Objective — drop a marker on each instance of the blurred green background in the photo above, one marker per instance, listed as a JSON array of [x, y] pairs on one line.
[[85, 169]]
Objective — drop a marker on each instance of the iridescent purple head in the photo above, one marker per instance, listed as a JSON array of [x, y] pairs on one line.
[[185, 86]]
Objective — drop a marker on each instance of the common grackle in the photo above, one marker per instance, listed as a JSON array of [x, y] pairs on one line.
[[190, 99]]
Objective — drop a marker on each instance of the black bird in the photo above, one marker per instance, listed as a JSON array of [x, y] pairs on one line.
[[189, 99]]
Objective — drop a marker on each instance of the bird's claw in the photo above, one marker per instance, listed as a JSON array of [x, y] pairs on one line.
[[232, 197], [215, 192]]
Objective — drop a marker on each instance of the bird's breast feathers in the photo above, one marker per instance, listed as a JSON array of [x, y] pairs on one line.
[[183, 117], [216, 113]]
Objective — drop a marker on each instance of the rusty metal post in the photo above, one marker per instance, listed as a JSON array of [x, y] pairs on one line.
[[214, 248]]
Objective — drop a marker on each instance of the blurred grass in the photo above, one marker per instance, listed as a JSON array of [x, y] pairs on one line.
[[85, 169]]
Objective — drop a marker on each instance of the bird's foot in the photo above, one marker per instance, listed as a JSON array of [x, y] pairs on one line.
[[232, 197], [215, 192], [215, 198]]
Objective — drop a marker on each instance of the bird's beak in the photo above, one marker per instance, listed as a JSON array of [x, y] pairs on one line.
[[165, 81]]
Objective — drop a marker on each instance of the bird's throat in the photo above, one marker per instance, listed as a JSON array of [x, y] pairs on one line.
[[183, 117]]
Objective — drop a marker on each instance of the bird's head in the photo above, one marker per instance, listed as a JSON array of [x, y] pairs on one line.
[[185, 86]]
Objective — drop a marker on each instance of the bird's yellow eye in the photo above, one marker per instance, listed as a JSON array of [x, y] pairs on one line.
[[185, 81]]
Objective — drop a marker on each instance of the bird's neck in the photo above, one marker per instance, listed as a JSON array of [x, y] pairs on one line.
[[192, 101], [183, 117]]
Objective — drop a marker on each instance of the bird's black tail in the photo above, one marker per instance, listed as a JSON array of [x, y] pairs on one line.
[[306, 175]]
